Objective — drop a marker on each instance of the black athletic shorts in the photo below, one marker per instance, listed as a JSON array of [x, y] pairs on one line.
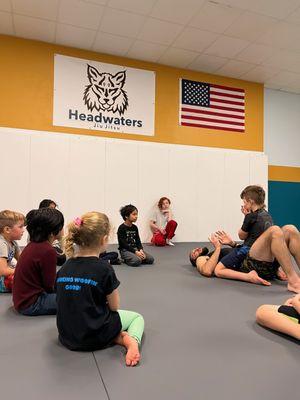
[[290, 311], [266, 270]]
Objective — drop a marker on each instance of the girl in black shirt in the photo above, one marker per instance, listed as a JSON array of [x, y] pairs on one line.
[[88, 315]]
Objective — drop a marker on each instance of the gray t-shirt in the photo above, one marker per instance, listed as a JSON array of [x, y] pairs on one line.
[[8, 251]]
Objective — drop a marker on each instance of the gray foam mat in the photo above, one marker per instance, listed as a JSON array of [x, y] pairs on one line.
[[201, 342]]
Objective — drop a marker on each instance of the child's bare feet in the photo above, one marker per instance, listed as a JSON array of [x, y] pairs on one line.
[[133, 355], [254, 278]]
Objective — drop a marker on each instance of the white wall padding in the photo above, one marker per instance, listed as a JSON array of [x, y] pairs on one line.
[[85, 173]]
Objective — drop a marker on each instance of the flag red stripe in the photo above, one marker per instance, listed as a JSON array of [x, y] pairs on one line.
[[236, 103], [212, 127], [212, 113], [234, 96], [219, 121], [228, 88], [227, 108]]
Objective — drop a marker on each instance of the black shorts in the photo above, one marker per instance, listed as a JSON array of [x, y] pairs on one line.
[[289, 311], [265, 269], [236, 256]]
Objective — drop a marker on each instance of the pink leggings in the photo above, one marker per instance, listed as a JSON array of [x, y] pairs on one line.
[[159, 239]]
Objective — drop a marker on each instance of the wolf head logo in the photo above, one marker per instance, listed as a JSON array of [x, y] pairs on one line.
[[105, 91]]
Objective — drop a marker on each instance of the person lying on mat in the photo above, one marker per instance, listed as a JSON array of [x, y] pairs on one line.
[[206, 262], [284, 319], [269, 257], [256, 221], [265, 242]]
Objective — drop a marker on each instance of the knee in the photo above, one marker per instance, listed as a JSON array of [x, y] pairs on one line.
[[135, 263], [173, 223], [150, 260], [140, 317], [275, 231], [261, 313], [290, 229]]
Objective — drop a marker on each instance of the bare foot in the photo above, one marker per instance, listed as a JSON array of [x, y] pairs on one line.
[[281, 274], [254, 278], [133, 355], [294, 287]]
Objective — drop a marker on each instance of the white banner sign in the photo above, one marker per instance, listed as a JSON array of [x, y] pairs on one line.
[[105, 97]]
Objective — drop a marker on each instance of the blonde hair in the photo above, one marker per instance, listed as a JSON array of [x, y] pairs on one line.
[[86, 231], [10, 218]]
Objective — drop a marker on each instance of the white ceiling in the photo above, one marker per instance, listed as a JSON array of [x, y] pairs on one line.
[[256, 40]]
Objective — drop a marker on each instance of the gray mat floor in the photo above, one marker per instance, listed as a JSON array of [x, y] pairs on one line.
[[201, 342]]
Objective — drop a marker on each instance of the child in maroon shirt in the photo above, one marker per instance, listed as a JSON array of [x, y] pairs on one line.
[[33, 291]]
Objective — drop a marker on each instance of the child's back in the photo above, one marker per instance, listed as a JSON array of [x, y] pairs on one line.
[[84, 320], [35, 274]]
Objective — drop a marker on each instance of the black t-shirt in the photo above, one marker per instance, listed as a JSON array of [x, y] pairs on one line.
[[129, 238], [84, 320], [224, 251], [255, 223]]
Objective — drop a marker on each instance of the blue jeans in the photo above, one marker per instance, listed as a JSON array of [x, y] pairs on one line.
[[45, 305]]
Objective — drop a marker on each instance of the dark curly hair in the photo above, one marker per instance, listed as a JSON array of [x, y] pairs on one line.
[[127, 210]]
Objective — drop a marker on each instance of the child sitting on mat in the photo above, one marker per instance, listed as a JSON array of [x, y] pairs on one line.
[[61, 257], [88, 315], [33, 289], [130, 246], [11, 229], [162, 224], [284, 319]]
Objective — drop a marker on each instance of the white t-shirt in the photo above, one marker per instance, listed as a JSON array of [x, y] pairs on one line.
[[160, 218]]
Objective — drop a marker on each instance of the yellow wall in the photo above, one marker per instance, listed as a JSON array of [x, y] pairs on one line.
[[284, 174], [26, 97]]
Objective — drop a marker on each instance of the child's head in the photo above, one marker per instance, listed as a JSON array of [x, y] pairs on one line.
[[89, 231], [47, 203], [164, 203], [253, 195], [12, 224], [129, 213], [44, 224]]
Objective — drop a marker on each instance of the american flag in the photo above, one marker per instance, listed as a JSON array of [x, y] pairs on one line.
[[204, 105]]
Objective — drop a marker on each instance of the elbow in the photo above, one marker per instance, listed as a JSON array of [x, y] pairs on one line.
[[205, 272], [242, 235], [260, 315]]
